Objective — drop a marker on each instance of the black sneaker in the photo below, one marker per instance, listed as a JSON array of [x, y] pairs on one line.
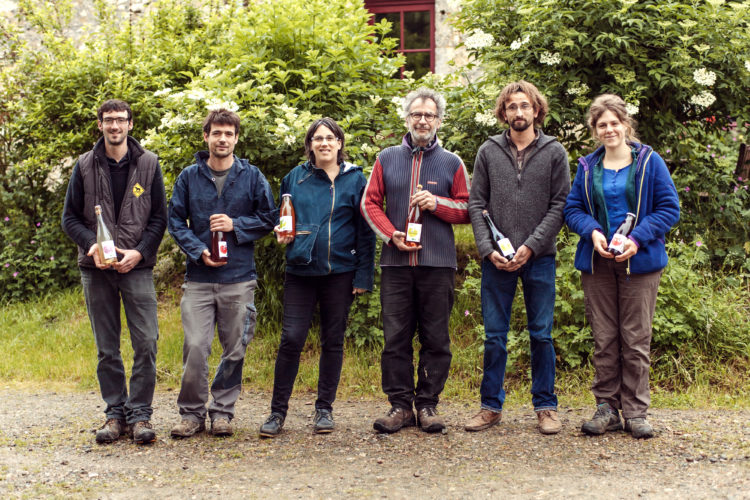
[[639, 428], [323, 422], [143, 432], [272, 426], [605, 419]]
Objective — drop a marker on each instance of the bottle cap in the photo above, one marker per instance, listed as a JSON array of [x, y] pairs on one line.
[[97, 209]]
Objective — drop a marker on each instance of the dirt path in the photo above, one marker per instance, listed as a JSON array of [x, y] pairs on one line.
[[47, 448]]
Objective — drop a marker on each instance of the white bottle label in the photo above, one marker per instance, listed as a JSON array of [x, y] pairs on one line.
[[506, 247], [108, 249], [414, 232], [222, 249], [618, 243], [285, 223]]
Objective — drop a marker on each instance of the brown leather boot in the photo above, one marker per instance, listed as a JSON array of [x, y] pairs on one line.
[[429, 420], [483, 420], [548, 422], [111, 431], [394, 420]]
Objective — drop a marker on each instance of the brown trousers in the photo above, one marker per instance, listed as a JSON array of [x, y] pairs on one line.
[[620, 309]]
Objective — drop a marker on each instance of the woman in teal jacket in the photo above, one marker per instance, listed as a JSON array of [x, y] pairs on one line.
[[620, 177], [328, 262]]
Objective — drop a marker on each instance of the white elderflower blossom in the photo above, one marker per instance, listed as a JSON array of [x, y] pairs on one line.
[[549, 58], [704, 77], [164, 91], [747, 65], [289, 140], [211, 74], [375, 99], [399, 102], [478, 40], [454, 5], [215, 104], [487, 118], [519, 42], [578, 90], [631, 108], [196, 94], [704, 99]]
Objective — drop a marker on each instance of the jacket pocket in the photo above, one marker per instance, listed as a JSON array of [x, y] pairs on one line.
[[300, 251]]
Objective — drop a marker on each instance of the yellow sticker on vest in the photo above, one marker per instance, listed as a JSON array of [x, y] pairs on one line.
[[137, 190]]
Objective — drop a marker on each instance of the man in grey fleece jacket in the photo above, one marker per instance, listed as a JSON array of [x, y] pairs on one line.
[[521, 178]]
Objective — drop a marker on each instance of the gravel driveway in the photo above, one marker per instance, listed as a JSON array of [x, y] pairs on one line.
[[47, 449]]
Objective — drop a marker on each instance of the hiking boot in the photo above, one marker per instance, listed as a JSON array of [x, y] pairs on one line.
[[605, 419], [429, 420], [221, 427], [548, 422], [187, 428], [639, 428], [394, 420], [143, 432], [323, 422], [272, 426], [111, 431], [483, 420]]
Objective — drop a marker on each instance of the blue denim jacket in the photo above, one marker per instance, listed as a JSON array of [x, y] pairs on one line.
[[246, 198], [332, 236]]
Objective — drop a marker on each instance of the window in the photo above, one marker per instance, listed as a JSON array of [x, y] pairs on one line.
[[413, 24]]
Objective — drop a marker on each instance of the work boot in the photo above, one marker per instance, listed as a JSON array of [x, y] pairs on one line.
[[605, 419], [429, 420], [639, 428], [221, 427], [143, 432], [483, 420], [187, 428], [323, 422], [548, 422], [111, 431], [272, 426], [394, 420]]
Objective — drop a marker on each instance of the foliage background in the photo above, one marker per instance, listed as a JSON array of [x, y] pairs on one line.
[[281, 64]]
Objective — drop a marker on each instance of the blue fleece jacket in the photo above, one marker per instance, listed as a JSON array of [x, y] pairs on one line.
[[657, 209]]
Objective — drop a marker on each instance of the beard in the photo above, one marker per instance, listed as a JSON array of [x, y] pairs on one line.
[[422, 135], [519, 125]]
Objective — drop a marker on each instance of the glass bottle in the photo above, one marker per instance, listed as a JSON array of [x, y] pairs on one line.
[[414, 223], [287, 218], [501, 243], [219, 250], [104, 240], [617, 245]]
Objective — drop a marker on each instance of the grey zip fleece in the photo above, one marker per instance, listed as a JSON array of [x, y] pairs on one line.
[[526, 206]]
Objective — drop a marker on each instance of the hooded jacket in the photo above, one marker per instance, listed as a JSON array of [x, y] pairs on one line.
[[656, 205]]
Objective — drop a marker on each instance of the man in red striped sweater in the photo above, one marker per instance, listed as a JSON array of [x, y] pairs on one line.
[[417, 281]]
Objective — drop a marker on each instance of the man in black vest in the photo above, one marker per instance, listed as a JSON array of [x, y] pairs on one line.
[[126, 181]]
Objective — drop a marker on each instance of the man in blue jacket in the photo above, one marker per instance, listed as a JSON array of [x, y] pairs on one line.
[[218, 193]]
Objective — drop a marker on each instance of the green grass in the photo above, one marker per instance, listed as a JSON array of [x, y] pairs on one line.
[[48, 343]]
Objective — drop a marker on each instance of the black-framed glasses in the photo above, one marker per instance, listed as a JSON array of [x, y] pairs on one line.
[[119, 120], [429, 117]]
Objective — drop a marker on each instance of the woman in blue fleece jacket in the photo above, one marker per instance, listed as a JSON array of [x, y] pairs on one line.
[[329, 261], [621, 176]]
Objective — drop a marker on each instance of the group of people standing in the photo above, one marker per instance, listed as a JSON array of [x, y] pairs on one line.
[[521, 179]]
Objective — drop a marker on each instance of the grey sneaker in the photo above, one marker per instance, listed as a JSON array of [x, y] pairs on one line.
[[605, 419], [639, 428], [272, 426], [221, 427], [187, 428], [111, 431], [143, 432], [323, 422]]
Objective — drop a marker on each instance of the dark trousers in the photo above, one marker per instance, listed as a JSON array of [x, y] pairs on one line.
[[416, 299], [301, 295]]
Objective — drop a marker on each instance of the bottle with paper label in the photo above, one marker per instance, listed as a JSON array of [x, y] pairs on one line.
[[287, 218], [501, 243], [104, 240], [219, 250], [414, 224], [617, 245]]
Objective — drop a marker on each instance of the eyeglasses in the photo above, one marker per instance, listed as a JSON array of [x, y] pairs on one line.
[[524, 107], [118, 120], [320, 139], [429, 117]]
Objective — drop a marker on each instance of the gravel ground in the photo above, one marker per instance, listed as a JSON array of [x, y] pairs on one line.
[[47, 449]]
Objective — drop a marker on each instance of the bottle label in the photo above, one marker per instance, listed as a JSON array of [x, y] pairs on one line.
[[285, 223], [506, 247], [618, 243], [108, 249], [223, 249], [414, 232]]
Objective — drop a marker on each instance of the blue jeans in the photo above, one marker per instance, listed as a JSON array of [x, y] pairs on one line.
[[498, 290], [103, 291]]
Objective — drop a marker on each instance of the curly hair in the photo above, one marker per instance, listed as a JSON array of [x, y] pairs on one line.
[[537, 100], [615, 104]]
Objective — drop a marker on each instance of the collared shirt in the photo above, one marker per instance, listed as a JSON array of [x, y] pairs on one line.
[[521, 155]]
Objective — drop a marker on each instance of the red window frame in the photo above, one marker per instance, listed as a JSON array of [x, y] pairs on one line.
[[393, 7]]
